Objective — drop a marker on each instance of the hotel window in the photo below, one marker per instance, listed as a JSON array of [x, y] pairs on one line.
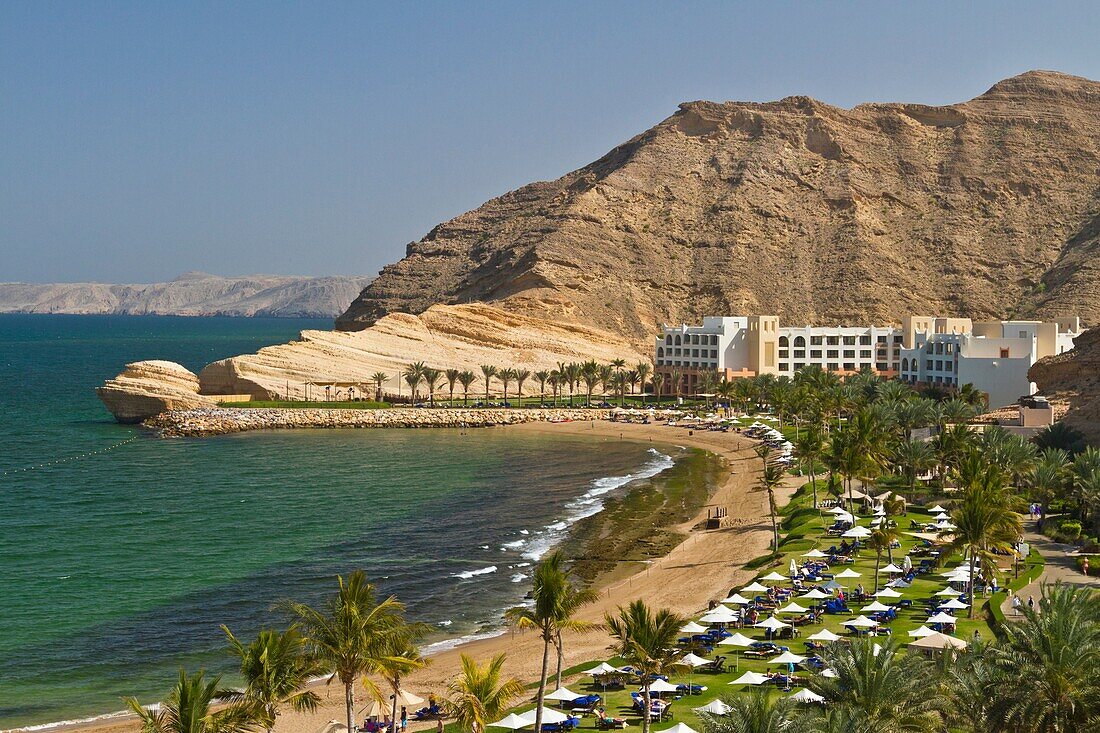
[[784, 341], [864, 340], [783, 353], [799, 342], [881, 339], [849, 367], [695, 352], [832, 340], [815, 341], [948, 348], [799, 365], [675, 352], [1023, 334], [668, 340], [898, 339], [832, 366], [882, 367], [864, 353], [815, 353], [1004, 353], [714, 353], [849, 353], [939, 365], [784, 366], [928, 364], [832, 353], [800, 353], [849, 340]]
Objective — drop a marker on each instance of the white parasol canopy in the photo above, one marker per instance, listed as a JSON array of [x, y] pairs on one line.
[[814, 595], [824, 635], [938, 641], [805, 695], [953, 605], [660, 686], [771, 622], [848, 573], [604, 667], [836, 510], [737, 640], [787, 658], [828, 673], [875, 607], [750, 678], [887, 593], [754, 587], [548, 716], [942, 618], [563, 694], [815, 553], [936, 509], [947, 592], [693, 659], [720, 615], [738, 600], [921, 632], [775, 577], [692, 628], [714, 707], [892, 569], [511, 722], [857, 532], [792, 607], [861, 622], [334, 726]]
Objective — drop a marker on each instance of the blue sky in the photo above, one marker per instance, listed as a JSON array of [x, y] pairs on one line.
[[141, 140]]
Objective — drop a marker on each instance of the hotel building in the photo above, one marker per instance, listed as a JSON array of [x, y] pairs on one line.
[[993, 356]]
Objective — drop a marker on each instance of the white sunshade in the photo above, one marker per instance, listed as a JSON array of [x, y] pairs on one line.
[[815, 553], [548, 716], [563, 694], [805, 695], [898, 583], [875, 607], [714, 707], [754, 587], [775, 577], [944, 525], [814, 595], [771, 622], [793, 607], [836, 510], [860, 622], [738, 600], [604, 668], [787, 658], [737, 640], [887, 593], [942, 618], [921, 632], [721, 615], [512, 722], [750, 678], [662, 686], [692, 628], [938, 641], [848, 573], [936, 509], [892, 569], [953, 605], [947, 592], [959, 569], [942, 515], [694, 660], [857, 532], [824, 635]]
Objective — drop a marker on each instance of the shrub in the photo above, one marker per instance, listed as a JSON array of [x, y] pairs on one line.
[[1069, 531]]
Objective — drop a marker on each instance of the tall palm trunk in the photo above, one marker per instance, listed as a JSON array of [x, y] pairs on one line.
[[813, 481], [645, 703], [773, 509], [561, 654], [546, 639], [349, 701]]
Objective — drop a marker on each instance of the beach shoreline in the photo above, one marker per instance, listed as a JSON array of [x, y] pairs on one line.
[[701, 568]]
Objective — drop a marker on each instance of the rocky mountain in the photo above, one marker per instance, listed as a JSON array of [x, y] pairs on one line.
[[1073, 379], [192, 294], [987, 208]]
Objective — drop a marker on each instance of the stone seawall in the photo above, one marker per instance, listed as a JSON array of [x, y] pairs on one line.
[[195, 423]]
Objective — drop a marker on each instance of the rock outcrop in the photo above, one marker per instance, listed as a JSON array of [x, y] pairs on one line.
[[1074, 378], [443, 337], [192, 294], [147, 388], [988, 208]]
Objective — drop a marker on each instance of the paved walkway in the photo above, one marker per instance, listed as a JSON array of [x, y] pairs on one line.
[[1061, 567]]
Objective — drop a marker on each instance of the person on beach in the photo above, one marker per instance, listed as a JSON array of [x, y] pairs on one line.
[[404, 718]]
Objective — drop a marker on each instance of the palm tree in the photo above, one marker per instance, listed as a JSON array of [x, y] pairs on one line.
[[658, 383], [542, 377], [880, 685], [590, 374], [379, 379], [572, 598], [350, 632], [522, 375], [506, 376], [275, 668], [572, 376], [479, 695], [770, 479], [984, 525], [452, 379], [647, 641], [810, 445], [751, 714], [488, 371], [644, 370], [555, 601], [467, 379], [188, 709], [414, 375], [631, 377], [606, 374], [880, 541], [399, 658], [915, 457], [555, 380], [431, 379], [677, 383], [1047, 665]]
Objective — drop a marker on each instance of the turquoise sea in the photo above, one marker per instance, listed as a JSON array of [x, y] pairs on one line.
[[118, 560]]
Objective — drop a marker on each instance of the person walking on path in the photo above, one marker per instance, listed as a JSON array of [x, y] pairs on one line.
[[1016, 605]]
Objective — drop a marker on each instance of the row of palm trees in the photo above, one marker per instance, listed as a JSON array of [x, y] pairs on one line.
[[613, 378]]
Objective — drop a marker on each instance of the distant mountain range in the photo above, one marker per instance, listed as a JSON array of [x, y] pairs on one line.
[[191, 294]]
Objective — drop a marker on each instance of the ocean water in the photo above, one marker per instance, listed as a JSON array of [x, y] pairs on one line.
[[120, 553]]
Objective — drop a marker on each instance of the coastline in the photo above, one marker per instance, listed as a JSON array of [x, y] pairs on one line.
[[704, 566]]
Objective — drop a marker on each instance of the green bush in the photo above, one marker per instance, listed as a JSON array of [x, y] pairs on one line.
[[1069, 531]]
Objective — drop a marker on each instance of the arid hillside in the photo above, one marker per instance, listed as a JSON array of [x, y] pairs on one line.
[[985, 208]]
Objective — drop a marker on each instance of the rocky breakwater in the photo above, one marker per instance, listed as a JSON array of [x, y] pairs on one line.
[[146, 388], [219, 421]]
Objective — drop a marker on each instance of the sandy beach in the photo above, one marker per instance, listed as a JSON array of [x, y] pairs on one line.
[[702, 568]]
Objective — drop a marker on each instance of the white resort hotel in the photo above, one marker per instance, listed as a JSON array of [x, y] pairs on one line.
[[993, 356]]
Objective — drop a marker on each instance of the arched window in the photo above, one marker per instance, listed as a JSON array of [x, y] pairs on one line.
[[784, 342], [799, 342], [677, 339], [904, 364], [660, 352]]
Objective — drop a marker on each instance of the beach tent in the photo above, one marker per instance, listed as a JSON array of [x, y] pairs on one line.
[[738, 600], [792, 607], [714, 707], [737, 639], [692, 628], [938, 641], [771, 622], [787, 658], [860, 622], [953, 605], [805, 695], [750, 678], [892, 569], [848, 573], [814, 595], [692, 659], [775, 577], [562, 694], [942, 618], [815, 553], [660, 686], [754, 587], [921, 632], [548, 716], [875, 607], [887, 593], [824, 635]]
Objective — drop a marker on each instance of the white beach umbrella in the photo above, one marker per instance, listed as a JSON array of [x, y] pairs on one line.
[[511, 722], [815, 553], [754, 587], [948, 592], [604, 668], [738, 600], [938, 641], [737, 640], [720, 615], [548, 716], [792, 607], [887, 593], [805, 695], [771, 622], [824, 635], [692, 628], [953, 605], [694, 660], [861, 622], [833, 585], [828, 673], [875, 607], [857, 532], [892, 569], [814, 595], [836, 510], [959, 569], [660, 686], [787, 658], [846, 517], [920, 632], [750, 678], [944, 525], [848, 573], [714, 707], [562, 694], [898, 583], [963, 577], [775, 577], [942, 618], [942, 516], [936, 509]]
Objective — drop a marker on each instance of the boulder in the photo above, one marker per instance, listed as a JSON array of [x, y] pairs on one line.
[[148, 388]]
